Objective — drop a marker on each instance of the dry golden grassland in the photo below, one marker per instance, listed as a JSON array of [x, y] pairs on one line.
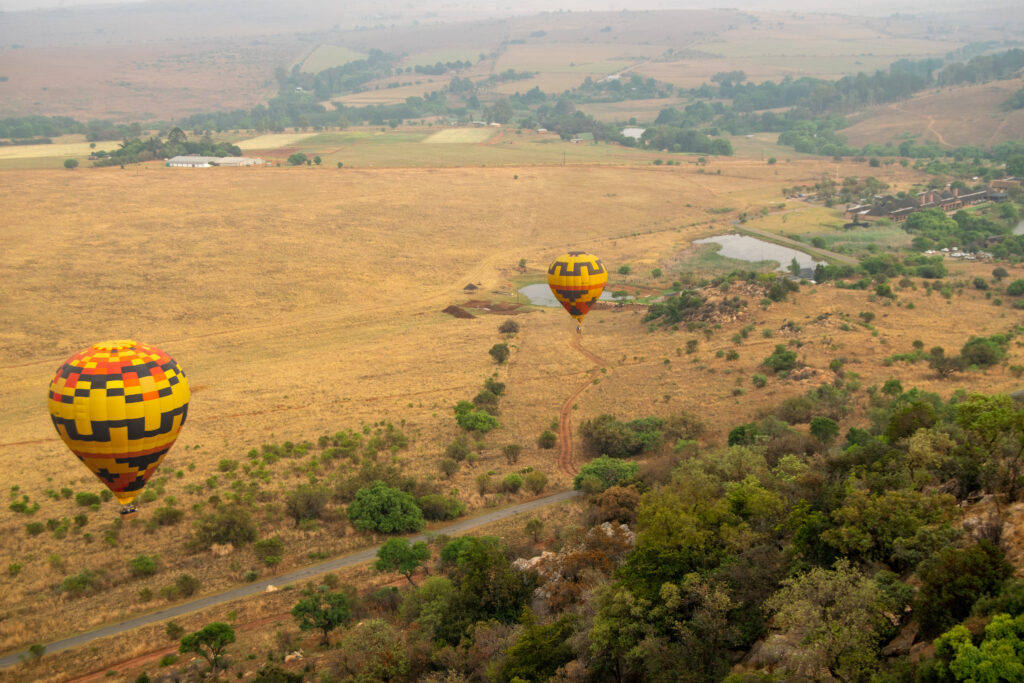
[[968, 115], [304, 301]]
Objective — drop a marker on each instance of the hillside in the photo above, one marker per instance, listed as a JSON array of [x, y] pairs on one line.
[[953, 117]]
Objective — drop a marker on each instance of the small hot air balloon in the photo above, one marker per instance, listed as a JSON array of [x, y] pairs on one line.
[[577, 280], [118, 406]]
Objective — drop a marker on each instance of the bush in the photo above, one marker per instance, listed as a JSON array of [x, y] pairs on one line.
[[607, 472], [535, 482], [167, 516], [82, 583], [606, 435], [307, 501], [449, 467], [143, 565], [759, 381], [35, 528], [781, 359], [547, 439], [85, 499], [227, 524], [385, 509], [500, 352], [511, 452], [474, 420], [509, 327], [269, 548], [512, 483], [436, 507], [186, 584]]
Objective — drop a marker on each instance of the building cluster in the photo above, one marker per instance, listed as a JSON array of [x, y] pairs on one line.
[[897, 209]]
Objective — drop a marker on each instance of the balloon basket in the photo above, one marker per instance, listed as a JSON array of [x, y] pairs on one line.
[[128, 511]]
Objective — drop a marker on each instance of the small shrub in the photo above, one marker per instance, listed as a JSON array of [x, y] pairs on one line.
[[174, 630], [82, 583], [509, 327], [759, 381], [167, 516], [186, 584], [535, 482], [86, 499], [35, 528], [511, 483], [143, 565], [14, 568], [145, 594], [547, 439], [269, 548]]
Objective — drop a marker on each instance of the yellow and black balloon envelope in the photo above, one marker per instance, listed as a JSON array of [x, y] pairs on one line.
[[119, 406], [577, 280]]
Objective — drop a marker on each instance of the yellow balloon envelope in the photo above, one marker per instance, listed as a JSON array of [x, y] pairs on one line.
[[577, 280], [119, 406]]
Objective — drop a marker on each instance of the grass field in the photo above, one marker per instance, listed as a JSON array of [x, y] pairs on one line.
[[63, 150], [328, 56], [304, 301], [271, 141], [460, 136]]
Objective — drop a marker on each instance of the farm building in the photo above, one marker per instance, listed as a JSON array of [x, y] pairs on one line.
[[197, 161]]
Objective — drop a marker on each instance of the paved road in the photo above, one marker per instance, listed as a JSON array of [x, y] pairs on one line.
[[292, 577]]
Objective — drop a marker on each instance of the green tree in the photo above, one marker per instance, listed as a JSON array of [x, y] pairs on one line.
[[307, 501], [71, 164], [606, 472], [540, 649], [323, 610], [209, 642], [398, 555], [374, 650], [834, 619], [954, 578], [998, 657], [474, 420], [297, 159], [227, 524], [385, 509], [317, 160], [824, 429]]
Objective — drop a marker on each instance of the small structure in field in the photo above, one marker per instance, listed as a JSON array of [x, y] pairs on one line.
[[199, 161]]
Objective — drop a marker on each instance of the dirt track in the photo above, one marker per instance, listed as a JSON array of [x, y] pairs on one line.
[[565, 456]]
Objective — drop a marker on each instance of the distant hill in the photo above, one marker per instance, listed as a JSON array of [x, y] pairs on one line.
[[966, 115]]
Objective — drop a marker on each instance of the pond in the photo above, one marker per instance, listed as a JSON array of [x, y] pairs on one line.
[[746, 248], [540, 295]]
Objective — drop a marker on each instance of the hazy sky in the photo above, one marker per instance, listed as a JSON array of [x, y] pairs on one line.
[[850, 7]]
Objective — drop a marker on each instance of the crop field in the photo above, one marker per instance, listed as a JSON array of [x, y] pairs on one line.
[[328, 56], [271, 141], [63, 150], [460, 136]]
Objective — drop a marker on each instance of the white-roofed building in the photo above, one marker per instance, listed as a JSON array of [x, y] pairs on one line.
[[198, 161]]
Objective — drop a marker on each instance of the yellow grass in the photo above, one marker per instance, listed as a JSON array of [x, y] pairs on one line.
[[59, 149], [301, 303], [272, 141], [327, 56], [461, 136]]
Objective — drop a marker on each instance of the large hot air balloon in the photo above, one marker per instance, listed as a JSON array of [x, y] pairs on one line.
[[577, 280], [118, 406]]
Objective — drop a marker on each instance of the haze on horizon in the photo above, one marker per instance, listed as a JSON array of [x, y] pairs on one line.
[[504, 7]]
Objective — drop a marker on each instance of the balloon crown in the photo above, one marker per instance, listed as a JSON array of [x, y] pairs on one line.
[[116, 345]]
